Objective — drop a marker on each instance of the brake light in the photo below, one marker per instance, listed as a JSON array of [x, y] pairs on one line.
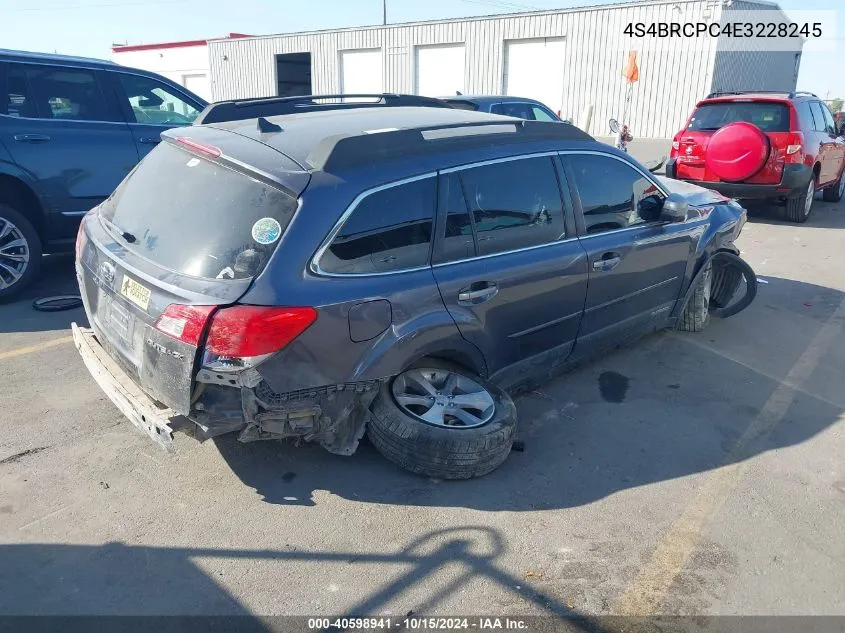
[[791, 143], [80, 240], [208, 150], [184, 323], [243, 336]]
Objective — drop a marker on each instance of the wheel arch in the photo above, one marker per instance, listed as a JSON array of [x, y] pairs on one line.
[[19, 195]]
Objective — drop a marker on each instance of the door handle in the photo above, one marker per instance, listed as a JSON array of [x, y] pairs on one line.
[[478, 292], [608, 262], [32, 138], [149, 140]]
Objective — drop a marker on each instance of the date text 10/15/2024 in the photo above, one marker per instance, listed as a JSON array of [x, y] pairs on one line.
[[418, 624]]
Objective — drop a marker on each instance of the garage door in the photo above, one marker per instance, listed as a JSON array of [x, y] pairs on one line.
[[534, 69], [361, 71], [439, 70]]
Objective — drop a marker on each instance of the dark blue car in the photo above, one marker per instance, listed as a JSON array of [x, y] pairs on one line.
[[519, 107], [70, 130], [394, 271]]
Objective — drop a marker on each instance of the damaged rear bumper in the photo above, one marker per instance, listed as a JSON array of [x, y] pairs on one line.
[[137, 406], [333, 416]]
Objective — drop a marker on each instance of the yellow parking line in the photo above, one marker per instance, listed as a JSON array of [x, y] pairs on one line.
[[35, 348], [645, 594]]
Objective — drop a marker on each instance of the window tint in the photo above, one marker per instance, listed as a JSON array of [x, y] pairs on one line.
[[768, 116], [805, 116], [66, 93], [197, 217], [458, 242], [462, 105], [518, 110], [541, 114], [17, 101], [514, 204], [388, 230], [613, 194], [830, 126], [818, 115], [157, 103]]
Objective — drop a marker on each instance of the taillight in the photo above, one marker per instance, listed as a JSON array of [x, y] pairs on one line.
[[243, 336], [184, 323], [791, 143], [80, 240]]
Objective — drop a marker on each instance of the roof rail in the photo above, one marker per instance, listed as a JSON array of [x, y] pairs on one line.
[[788, 94], [240, 109], [346, 151], [746, 92]]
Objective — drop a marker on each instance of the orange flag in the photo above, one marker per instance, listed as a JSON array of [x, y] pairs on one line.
[[631, 72]]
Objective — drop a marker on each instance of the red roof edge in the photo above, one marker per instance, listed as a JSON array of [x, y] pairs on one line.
[[162, 45]]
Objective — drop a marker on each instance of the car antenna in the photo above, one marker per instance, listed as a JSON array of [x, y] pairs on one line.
[[459, 93], [265, 127]]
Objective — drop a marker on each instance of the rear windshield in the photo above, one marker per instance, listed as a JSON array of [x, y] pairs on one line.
[[197, 217], [769, 117]]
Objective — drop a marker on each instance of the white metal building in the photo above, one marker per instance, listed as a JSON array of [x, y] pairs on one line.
[[184, 62], [568, 59]]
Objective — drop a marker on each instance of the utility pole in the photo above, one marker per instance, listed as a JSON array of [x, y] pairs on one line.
[[384, 12]]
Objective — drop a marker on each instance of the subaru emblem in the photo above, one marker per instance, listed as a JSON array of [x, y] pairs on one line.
[[107, 272]]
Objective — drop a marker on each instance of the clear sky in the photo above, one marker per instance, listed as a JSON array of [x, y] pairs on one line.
[[89, 27]]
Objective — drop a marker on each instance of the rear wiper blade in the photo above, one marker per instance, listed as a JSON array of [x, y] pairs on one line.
[[126, 235]]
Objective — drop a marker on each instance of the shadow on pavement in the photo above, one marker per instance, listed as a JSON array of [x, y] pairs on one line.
[[672, 405], [825, 215], [57, 277], [118, 579]]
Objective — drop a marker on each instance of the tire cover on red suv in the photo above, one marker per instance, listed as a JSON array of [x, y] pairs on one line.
[[737, 151]]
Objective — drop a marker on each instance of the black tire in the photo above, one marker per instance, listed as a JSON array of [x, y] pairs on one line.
[[33, 245], [696, 314], [441, 452], [834, 192], [724, 284], [796, 206]]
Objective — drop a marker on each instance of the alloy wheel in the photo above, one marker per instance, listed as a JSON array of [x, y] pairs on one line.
[[808, 203], [14, 254], [443, 398]]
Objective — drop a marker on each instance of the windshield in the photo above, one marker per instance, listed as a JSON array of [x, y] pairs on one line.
[[198, 217], [769, 117]]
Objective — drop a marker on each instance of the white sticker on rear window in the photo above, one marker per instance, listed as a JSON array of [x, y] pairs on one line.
[[266, 231], [193, 162]]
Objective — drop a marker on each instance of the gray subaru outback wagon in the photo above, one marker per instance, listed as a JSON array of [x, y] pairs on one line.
[[390, 271]]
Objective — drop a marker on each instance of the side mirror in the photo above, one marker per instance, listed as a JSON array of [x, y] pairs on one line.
[[675, 208]]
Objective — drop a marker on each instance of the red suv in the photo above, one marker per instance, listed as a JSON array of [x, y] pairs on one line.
[[778, 146]]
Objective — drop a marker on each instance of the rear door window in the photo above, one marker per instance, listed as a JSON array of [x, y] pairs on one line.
[[60, 92], [768, 116], [197, 217], [518, 110], [17, 100], [613, 194], [388, 231], [513, 204]]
